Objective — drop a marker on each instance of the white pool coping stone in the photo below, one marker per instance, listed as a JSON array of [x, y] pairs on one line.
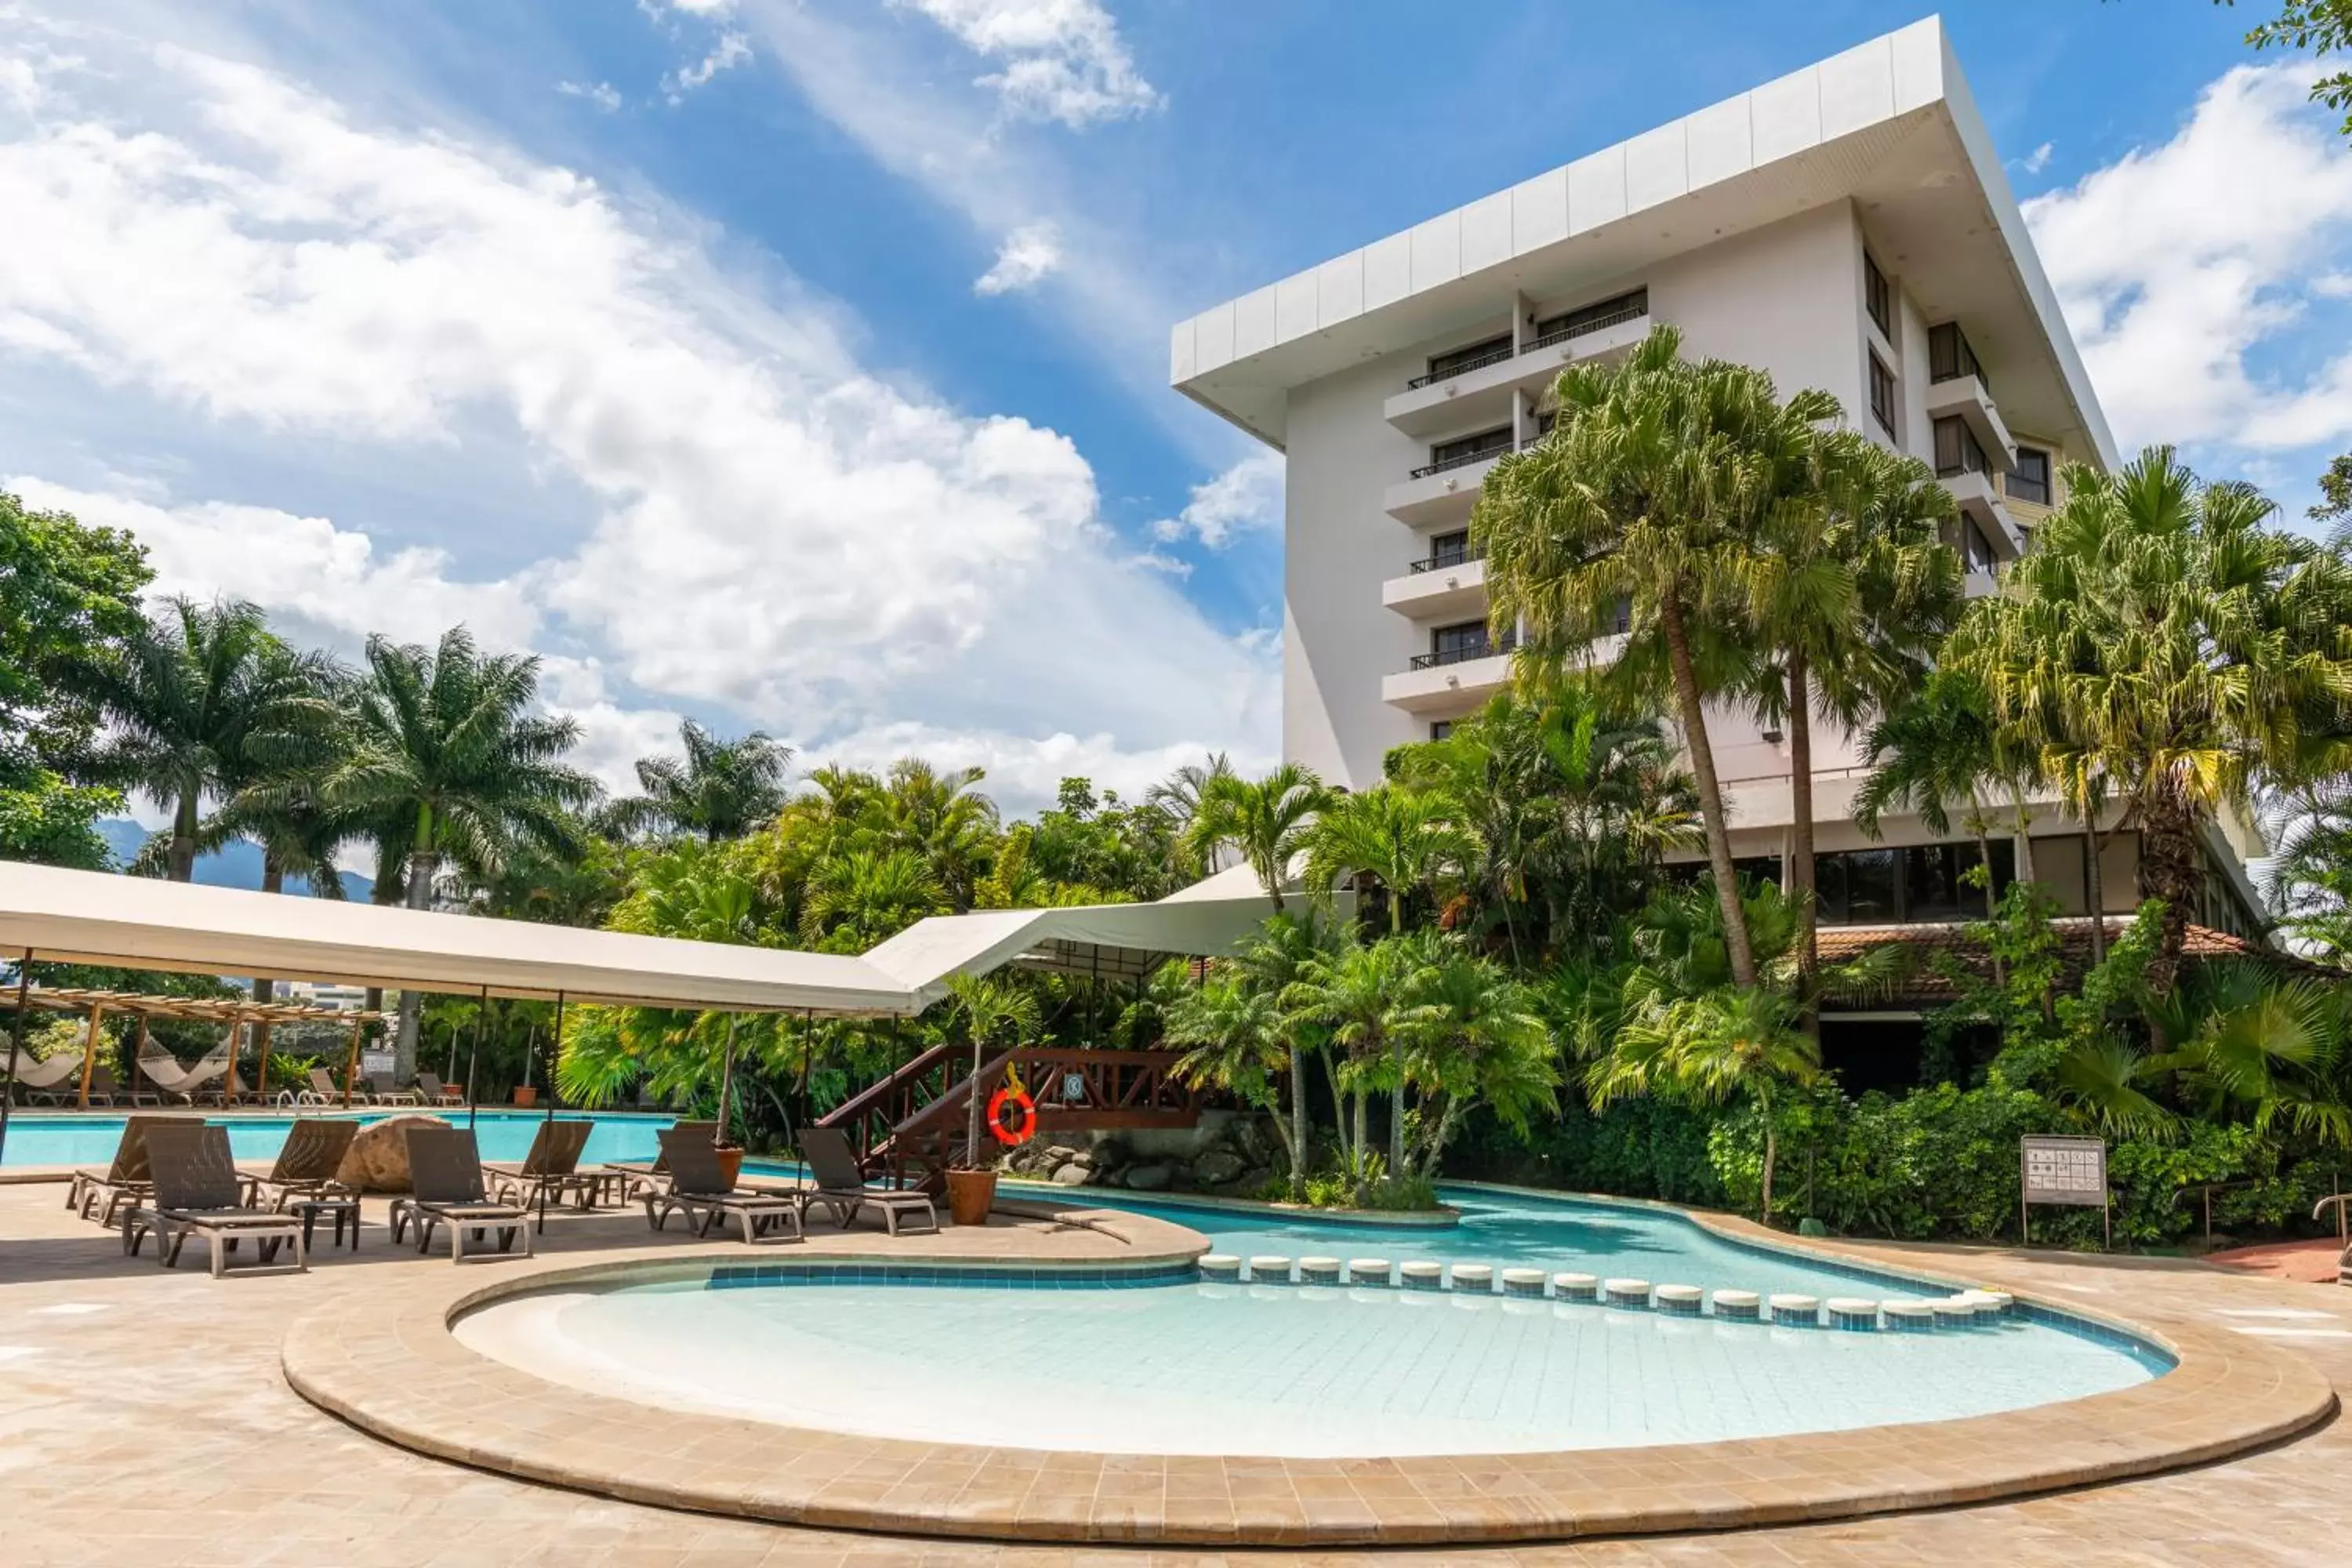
[[1523, 1282], [1739, 1306], [1421, 1276], [1267, 1268], [1576, 1287], [1478, 1277], [1679, 1301], [1626, 1292], [1797, 1311], [1370, 1272]]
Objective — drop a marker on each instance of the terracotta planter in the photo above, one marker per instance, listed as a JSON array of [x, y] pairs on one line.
[[730, 1162], [526, 1096], [971, 1194]]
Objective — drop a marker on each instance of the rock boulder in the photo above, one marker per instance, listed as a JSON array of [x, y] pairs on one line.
[[1148, 1178], [1217, 1167], [1071, 1175], [377, 1161]]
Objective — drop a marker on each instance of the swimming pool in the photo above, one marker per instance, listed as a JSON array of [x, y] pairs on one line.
[[37, 1139], [1183, 1366]]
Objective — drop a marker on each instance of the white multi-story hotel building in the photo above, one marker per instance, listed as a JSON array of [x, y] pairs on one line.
[[1848, 227]]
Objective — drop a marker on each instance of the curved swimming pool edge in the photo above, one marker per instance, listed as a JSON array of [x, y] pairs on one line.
[[401, 1374]]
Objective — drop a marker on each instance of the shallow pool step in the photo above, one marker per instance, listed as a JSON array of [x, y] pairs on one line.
[[1474, 1279], [1268, 1268], [1318, 1271], [1220, 1266], [1368, 1271], [1625, 1293]]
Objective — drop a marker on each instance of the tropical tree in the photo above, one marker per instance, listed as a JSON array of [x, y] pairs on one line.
[[1645, 505], [720, 789], [1237, 1042], [1475, 1037], [1269, 963], [446, 740], [1354, 993], [1179, 796], [2164, 649], [989, 1009], [194, 698], [1854, 587], [860, 896], [940, 815], [1264, 821]]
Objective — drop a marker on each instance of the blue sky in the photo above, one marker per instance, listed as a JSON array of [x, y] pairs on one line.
[[802, 363]]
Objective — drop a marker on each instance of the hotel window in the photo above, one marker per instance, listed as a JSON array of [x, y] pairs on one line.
[[1877, 298], [1449, 549], [1465, 640], [1442, 730], [1881, 395], [1976, 552], [2029, 480]]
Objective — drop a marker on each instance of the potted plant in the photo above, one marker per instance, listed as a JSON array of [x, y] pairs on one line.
[[526, 1094], [987, 1007], [730, 1154]]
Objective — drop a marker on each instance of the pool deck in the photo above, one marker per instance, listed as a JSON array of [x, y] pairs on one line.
[[148, 1419]]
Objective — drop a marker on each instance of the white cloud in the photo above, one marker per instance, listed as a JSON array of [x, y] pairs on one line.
[[1245, 497], [603, 94], [1061, 60], [1029, 254], [738, 519], [2179, 265], [1160, 560], [2033, 162], [731, 51]]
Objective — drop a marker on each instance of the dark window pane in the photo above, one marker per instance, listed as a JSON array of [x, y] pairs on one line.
[[1829, 888], [1876, 297], [1931, 882], [2029, 480], [1441, 730], [1870, 887], [1493, 351], [1472, 446], [1590, 318], [1459, 639], [1882, 394]]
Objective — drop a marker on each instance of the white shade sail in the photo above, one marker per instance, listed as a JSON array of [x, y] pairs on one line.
[[141, 923]]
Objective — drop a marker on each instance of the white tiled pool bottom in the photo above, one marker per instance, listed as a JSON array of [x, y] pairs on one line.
[[1263, 1369]]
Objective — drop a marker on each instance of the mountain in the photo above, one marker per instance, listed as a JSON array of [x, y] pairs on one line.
[[238, 865]]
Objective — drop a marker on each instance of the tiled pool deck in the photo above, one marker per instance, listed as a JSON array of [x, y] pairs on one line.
[[144, 1419]]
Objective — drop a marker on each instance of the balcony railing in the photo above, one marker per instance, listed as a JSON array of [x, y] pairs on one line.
[[1463, 655], [1448, 368], [1950, 357], [1444, 558], [1592, 319], [1462, 459], [1957, 450]]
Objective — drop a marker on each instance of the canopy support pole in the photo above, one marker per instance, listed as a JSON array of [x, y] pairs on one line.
[[16, 1040], [89, 1057], [549, 1119], [726, 1083], [474, 1057], [261, 1071], [352, 1063]]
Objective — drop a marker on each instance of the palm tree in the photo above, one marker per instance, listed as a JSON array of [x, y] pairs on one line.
[[2163, 647], [1268, 963], [1408, 840], [1353, 994], [859, 897], [1855, 588], [988, 1008], [446, 740], [723, 789], [1476, 1039], [1650, 494], [192, 699], [1180, 795], [1264, 820], [1235, 1032], [940, 815]]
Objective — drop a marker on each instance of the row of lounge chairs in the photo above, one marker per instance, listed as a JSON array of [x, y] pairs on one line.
[[173, 1179], [57, 1080]]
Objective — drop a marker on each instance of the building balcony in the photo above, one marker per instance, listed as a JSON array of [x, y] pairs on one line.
[[1979, 502], [1440, 491], [1967, 399], [1453, 587], [1442, 684], [1482, 390], [1979, 583]]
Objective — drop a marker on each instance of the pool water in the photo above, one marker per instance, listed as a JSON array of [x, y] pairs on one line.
[[1301, 1371], [37, 1139]]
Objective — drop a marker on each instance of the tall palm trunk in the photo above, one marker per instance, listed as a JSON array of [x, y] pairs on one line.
[[2095, 890], [1800, 880], [423, 861], [1297, 1124], [1396, 1054], [273, 880], [1710, 791], [181, 865], [1983, 830], [2169, 870], [1771, 1148]]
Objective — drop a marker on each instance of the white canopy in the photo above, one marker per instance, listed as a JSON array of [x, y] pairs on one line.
[[141, 923]]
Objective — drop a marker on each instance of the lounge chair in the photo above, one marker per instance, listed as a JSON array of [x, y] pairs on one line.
[[383, 1090], [435, 1092], [549, 1171], [50, 1080], [639, 1177], [124, 1181], [307, 1163], [325, 1090], [199, 1193], [445, 1168], [699, 1190], [841, 1188]]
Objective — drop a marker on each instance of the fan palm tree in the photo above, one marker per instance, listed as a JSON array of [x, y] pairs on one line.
[[721, 789], [859, 897], [195, 698], [1264, 821], [1651, 493], [1476, 1039], [445, 739], [1854, 589], [1353, 994], [2163, 647]]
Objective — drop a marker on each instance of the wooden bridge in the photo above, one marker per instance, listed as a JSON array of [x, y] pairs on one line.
[[911, 1124]]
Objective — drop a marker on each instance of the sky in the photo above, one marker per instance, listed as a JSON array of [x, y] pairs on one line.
[[801, 364]]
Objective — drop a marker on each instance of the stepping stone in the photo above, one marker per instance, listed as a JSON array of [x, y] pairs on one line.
[[1955, 1313], [1626, 1293], [1318, 1271], [1368, 1271], [1736, 1306], [1421, 1276], [1523, 1282], [1576, 1287], [1679, 1301], [1222, 1266], [1269, 1269], [1910, 1316], [1477, 1278], [1855, 1313], [1796, 1311]]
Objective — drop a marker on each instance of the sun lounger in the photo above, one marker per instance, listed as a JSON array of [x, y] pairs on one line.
[[307, 1163], [199, 1193], [435, 1092], [638, 1177], [446, 1172], [382, 1091], [50, 1080], [699, 1190], [841, 1188], [325, 1090], [549, 1171], [124, 1181]]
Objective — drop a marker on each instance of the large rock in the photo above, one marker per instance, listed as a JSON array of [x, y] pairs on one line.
[[1071, 1175], [1148, 1178], [1217, 1167], [377, 1161]]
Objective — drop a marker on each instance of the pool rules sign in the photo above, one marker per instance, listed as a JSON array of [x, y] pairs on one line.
[[2058, 1170]]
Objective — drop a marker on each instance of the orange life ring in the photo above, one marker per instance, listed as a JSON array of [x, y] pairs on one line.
[[1013, 1137]]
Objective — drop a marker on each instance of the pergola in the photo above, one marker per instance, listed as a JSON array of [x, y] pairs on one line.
[[234, 1013], [50, 914]]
